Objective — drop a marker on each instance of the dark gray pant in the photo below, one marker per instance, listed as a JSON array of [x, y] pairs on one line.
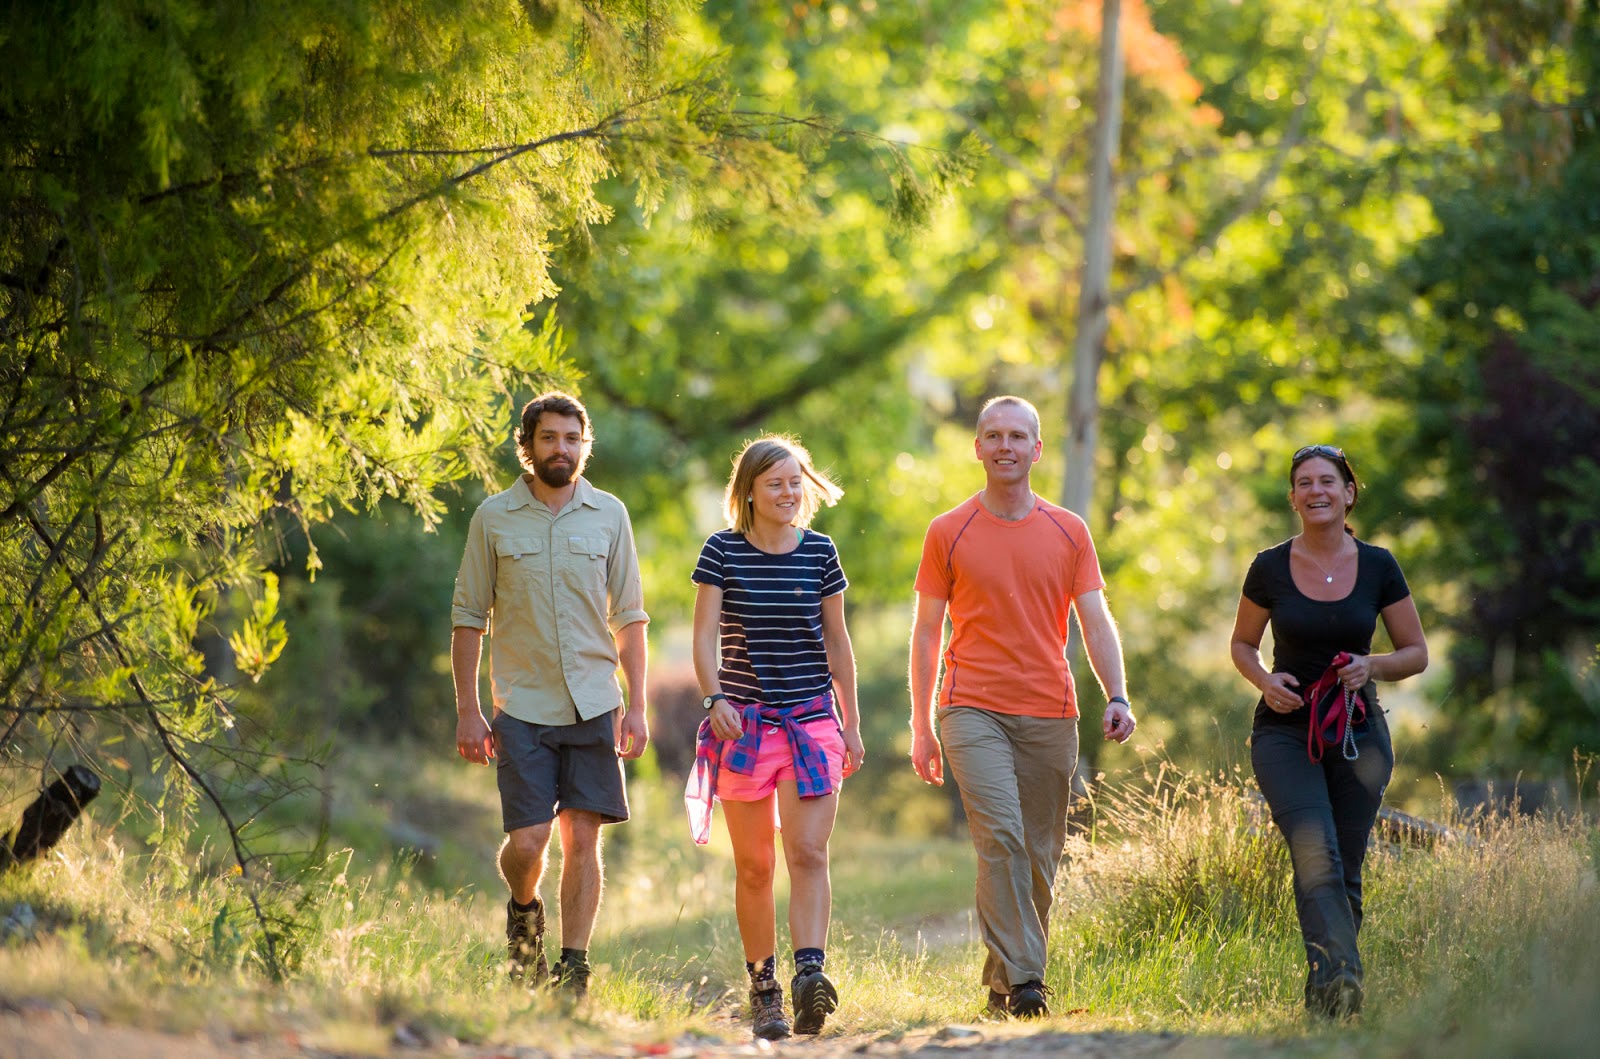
[[1326, 812]]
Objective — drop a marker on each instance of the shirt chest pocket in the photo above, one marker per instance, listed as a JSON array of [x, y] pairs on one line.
[[584, 559], [518, 559], [591, 549]]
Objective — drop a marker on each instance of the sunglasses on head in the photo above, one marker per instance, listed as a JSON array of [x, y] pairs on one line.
[[1332, 452]]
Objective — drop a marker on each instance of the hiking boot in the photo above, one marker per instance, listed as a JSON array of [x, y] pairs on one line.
[[525, 944], [767, 1019], [1338, 999], [1028, 1000], [571, 976], [815, 998], [1347, 997]]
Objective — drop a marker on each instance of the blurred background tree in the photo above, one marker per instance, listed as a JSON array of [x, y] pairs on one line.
[[1373, 224], [1291, 192], [1503, 437]]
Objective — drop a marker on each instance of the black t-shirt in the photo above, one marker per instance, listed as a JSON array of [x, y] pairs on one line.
[[1307, 633]]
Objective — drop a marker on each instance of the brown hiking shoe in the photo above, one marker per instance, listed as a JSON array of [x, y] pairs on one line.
[[1338, 999], [767, 1018], [525, 944]]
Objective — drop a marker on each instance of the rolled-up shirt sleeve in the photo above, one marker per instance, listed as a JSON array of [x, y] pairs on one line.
[[624, 587], [474, 594]]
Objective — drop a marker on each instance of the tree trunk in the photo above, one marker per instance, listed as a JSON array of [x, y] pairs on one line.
[[1094, 292], [1088, 346]]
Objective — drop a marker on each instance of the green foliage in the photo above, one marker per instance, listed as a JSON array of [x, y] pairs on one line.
[[1298, 186], [697, 334], [370, 650], [1276, 169], [266, 263], [1502, 440]]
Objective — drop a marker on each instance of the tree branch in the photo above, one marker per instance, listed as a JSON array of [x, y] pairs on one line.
[[150, 706], [829, 369], [1042, 186]]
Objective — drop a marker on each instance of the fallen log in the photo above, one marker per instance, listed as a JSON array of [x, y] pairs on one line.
[[1392, 826], [1406, 830], [48, 817]]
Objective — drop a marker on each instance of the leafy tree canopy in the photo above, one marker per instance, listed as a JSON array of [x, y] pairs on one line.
[[1505, 411], [267, 261]]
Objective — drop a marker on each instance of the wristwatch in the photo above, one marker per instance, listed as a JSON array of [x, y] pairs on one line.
[[711, 700], [1114, 698]]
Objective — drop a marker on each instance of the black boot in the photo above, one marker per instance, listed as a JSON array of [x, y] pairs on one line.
[[1337, 999]]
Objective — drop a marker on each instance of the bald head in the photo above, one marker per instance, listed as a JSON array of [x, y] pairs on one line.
[[1007, 401]]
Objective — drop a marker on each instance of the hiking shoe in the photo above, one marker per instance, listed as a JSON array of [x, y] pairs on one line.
[[1028, 1000], [1338, 999], [767, 1019], [525, 944], [815, 998], [999, 1005], [1347, 997], [571, 976]]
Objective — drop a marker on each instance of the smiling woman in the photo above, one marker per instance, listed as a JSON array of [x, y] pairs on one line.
[[1323, 592], [782, 731]]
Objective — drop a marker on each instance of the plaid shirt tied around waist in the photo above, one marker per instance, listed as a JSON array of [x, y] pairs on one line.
[[810, 762]]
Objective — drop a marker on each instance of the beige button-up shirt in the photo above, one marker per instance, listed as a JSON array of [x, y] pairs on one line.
[[552, 590]]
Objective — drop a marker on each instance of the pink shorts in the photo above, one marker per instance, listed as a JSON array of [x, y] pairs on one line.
[[775, 762]]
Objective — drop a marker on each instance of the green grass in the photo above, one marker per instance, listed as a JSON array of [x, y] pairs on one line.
[[1174, 915]]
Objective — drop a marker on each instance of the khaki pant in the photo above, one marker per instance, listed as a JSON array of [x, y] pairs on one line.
[[1015, 778]]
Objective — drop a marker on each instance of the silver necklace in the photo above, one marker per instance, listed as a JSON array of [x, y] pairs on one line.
[[1306, 553]]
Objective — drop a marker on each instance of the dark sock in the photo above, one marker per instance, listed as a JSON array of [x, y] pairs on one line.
[[524, 909], [574, 957], [763, 975], [809, 961]]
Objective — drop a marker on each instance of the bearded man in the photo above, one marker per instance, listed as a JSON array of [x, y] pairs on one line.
[[550, 564]]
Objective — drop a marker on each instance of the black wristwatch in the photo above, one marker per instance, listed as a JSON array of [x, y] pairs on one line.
[[1114, 698], [711, 700]]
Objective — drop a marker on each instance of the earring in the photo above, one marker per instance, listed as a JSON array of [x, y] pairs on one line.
[[750, 499]]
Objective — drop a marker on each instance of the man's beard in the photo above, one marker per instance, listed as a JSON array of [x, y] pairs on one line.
[[553, 475]]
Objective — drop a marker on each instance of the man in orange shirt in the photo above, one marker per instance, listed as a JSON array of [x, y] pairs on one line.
[[1009, 567]]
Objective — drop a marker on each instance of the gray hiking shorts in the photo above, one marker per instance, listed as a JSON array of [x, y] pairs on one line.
[[544, 769]]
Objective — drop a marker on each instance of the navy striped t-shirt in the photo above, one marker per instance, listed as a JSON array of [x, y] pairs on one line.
[[772, 649]]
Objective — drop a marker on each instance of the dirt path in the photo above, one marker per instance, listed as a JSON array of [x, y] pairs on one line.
[[37, 1031]]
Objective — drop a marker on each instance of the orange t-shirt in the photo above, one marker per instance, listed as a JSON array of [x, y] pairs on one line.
[[1009, 587]]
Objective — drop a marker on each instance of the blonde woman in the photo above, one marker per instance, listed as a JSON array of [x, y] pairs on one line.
[[774, 661]]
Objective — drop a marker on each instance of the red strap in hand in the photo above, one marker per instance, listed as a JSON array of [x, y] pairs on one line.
[[1334, 711]]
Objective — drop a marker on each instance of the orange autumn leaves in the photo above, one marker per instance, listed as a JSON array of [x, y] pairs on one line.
[[1152, 58]]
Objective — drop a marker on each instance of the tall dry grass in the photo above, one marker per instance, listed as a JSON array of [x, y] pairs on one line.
[[1180, 915], [1174, 913]]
